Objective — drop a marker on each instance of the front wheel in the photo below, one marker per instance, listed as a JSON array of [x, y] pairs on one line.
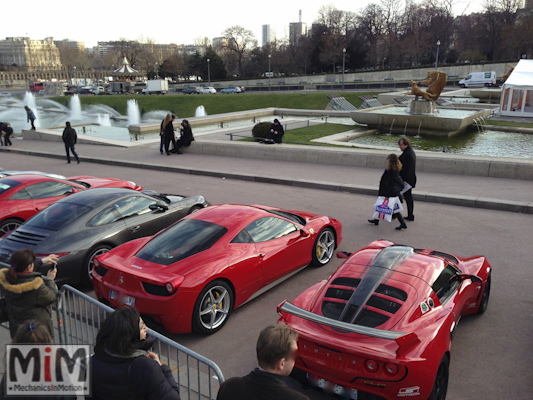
[[485, 297], [323, 247], [212, 308], [8, 225], [440, 386], [86, 273]]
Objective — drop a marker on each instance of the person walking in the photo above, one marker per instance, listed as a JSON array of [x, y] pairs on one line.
[[390, 185], [276, 353], [30, 117], [28, 295], [122, 369], [168, 132], [276, 129], [70, 137], [408, 173]]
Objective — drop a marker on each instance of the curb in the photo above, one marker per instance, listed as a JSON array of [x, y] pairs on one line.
[[439, 198]]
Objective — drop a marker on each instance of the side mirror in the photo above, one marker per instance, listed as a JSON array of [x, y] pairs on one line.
[[473, 278], [160, 205], [304, 232], [343, 254]]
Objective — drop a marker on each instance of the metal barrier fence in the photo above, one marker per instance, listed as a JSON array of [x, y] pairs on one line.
[[80, 317]]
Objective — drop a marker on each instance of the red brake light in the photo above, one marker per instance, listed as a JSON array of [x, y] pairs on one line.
[[391, 369], [371, 366], [173, 284]]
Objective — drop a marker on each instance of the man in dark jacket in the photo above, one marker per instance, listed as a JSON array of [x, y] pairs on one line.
[[408, 173], [276, 351], [277, 132], [5, 127], [70, 138]]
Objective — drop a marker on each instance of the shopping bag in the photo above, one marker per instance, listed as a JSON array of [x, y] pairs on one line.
[[386, 206]]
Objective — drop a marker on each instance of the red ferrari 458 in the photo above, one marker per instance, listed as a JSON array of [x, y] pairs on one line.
[[192, 274], [381, 326]]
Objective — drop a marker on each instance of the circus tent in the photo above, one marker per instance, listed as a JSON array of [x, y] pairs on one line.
[[125, 69]]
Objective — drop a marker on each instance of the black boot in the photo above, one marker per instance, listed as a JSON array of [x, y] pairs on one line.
[[402, 222], [374, 221]]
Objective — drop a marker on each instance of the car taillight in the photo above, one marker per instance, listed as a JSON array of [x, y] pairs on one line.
[[371, 366], [173, 284], [391, 369]]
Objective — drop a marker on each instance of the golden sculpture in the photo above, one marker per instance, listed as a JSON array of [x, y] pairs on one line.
[[436, 81]]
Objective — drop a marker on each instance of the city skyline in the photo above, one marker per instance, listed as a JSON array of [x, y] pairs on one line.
[[102, 21]]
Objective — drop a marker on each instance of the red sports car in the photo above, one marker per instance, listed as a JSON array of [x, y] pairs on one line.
[[381, 326], [22, 196], [191, 275]]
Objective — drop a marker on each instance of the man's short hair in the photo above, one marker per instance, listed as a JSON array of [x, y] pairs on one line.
[[273, 344]]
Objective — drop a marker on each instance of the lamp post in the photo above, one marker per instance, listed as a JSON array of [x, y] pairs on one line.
[[269, 57], [437, 58], [343, 63], [208, 72]]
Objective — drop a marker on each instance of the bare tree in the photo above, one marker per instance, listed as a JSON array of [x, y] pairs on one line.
[[239, 40]]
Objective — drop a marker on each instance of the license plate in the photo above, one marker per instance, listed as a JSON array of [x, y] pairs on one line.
[[332, 387], [130, 301]]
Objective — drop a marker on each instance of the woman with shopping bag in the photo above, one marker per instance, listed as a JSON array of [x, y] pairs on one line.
[[388, 205]]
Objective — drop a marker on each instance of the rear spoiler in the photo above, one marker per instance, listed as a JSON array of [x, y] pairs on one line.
[[403, 339]]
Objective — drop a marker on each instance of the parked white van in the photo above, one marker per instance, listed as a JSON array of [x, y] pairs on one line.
[[486, 79]]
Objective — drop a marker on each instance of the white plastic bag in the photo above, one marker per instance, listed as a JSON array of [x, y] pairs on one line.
[[386, 206]]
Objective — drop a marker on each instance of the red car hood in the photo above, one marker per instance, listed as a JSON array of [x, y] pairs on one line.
[[95, 182]]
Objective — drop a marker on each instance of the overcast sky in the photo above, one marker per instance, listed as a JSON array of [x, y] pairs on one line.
[[164, 21]]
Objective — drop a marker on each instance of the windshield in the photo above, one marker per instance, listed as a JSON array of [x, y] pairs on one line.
[[7, 184], [184, 239], [57, 216]]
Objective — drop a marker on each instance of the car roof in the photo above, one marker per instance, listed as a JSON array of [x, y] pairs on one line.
[[230, 215], [98, 196], [28, 178]]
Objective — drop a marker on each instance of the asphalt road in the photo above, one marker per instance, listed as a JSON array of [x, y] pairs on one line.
[[492, 355]]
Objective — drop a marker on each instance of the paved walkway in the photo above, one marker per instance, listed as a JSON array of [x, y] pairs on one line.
[[463, 190]]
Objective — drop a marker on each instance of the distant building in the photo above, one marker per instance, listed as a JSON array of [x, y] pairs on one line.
[[70, 43], [297, 30], [265, 35], [219, 42], [35, 55]]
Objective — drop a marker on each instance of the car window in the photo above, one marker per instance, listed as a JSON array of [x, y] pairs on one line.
[[43, 190], [183, 239], [269, 228], [134, 205], [107, 216], [8, 184], [57, 216], [22, 194], [447, 282]]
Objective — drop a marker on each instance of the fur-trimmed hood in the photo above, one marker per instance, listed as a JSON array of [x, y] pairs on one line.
[[26, 283]]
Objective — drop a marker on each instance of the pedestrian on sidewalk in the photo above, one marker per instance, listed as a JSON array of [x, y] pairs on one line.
[[121, 368], [276, 129], [8, 130], [390, 186], [70, 137], [186, 136], [30, 117], [28, 295], [168, 132], [408, 173]]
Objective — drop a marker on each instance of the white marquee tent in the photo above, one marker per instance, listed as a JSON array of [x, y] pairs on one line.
[[517, 91], [125, 68]]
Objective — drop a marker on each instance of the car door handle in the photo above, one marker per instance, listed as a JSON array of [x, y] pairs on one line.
[[135, 228]]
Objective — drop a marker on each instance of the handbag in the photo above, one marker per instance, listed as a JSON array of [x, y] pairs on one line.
[[386, 206]]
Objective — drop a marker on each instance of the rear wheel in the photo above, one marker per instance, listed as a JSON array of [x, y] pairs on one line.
[[88, 265], [324, 247], [440, 386], [212, 307], [8, 225], [485, 297]]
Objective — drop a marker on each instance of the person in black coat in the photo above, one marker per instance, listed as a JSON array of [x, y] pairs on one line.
[[5, 127], [168, 132], [186, 136], [276, 129], [276, 351], [122, 369], [408, 173], [70, 138], [390, 185]]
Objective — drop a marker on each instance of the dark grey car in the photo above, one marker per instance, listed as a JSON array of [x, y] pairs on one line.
[[86, 224]]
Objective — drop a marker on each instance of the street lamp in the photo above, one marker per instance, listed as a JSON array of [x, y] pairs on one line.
[[437, 58], [343, 63], [208, 72], [269, 57]]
